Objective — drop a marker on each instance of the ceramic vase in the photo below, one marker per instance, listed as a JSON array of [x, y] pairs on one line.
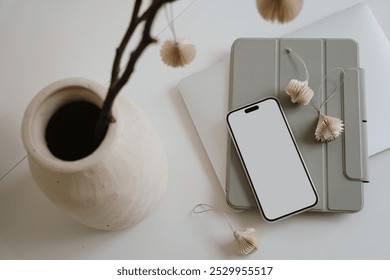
[[117, 184]]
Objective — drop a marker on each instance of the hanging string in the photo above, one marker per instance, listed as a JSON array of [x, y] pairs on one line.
[[297, 56], [170, 19], [211, 208], [328, 128], [177, 52], [299, 91], [12, 168], [175, 18], [247, 239], [333, 93]]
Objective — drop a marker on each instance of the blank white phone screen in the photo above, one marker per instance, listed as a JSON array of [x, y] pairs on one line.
[[271, 159]]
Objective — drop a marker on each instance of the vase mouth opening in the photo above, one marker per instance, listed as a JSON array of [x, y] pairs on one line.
[[57, 142]]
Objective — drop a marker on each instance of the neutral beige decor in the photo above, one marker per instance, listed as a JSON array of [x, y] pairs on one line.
[[115, 186]]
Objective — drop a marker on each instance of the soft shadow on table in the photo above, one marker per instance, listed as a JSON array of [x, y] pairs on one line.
[[30, 226]]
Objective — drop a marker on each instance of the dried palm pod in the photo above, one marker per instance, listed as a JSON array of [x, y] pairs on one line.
[[328, 128], [247, 241], [279, 10], [299, 92], [177, 53]]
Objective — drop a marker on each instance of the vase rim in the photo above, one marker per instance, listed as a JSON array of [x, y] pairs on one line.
[[38, 113]]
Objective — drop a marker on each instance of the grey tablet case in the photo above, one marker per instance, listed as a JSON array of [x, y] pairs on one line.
[[262, 68]]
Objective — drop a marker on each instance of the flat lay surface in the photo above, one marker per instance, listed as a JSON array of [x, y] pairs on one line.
[[43, 41]]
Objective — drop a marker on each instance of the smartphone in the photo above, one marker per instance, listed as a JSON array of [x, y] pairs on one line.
[[271, 159]]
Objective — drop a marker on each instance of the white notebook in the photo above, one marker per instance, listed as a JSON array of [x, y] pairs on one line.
[[206, 93]]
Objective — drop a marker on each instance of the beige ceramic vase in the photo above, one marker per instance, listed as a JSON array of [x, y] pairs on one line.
[[117, 184]]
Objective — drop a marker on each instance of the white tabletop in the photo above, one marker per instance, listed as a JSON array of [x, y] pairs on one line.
[[42, 41]]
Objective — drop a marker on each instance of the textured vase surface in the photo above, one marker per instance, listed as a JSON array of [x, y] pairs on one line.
[[118, 184]]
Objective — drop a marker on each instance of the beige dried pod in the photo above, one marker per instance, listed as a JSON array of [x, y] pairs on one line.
[[177, 53], [328, 128], [279, 10], [299, 92], [247, 241]]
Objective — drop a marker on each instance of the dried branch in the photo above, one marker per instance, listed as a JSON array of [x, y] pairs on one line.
[[117, 80], [130, 30]]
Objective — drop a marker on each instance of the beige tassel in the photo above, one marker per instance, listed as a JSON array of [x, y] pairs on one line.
[[328, 128], [279, 10], [247, 241], [177, 53]]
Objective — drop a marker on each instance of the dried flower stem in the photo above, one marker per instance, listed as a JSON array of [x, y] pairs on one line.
[[119, 80]]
